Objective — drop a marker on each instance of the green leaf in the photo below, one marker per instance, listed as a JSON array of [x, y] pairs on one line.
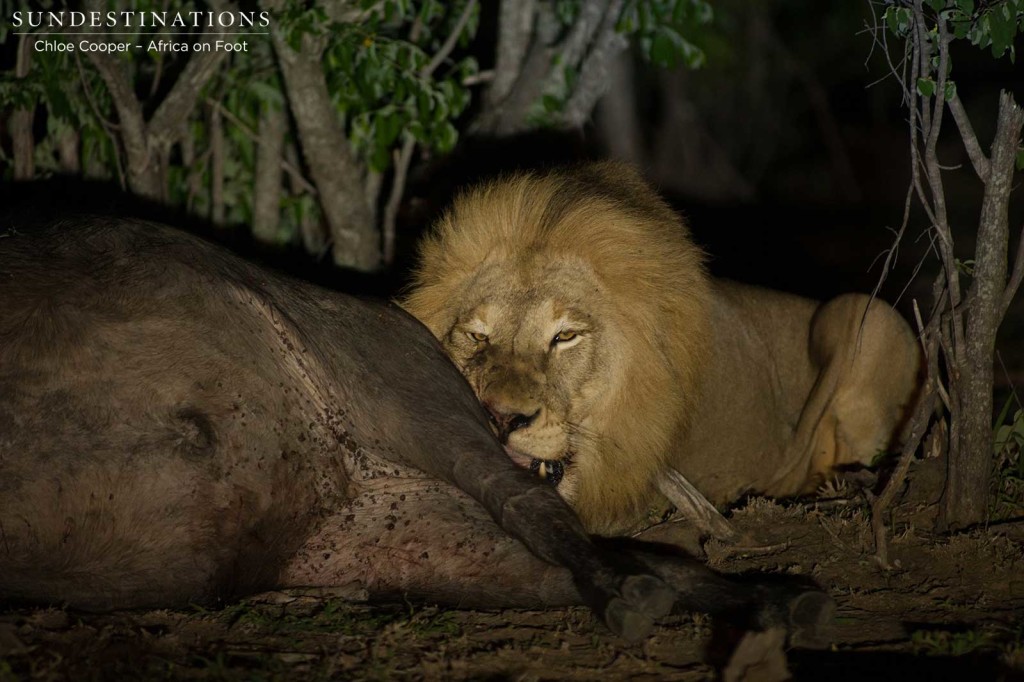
[[446, 138], [965, 6], [937, 5], [898, 19], [1020, 159], [380, 159], [268, 93], [1002, 27], [925, 87], [662, 52]]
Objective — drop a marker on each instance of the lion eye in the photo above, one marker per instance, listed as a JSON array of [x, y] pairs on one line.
[[564, 336], [478, 337]]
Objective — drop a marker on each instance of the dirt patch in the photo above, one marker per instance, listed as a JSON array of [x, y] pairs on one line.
[[951, 609]]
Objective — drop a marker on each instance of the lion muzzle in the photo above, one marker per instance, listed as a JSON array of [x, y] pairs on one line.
[[506, 421]]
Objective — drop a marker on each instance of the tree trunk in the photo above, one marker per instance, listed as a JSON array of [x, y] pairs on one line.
[[617, 120], [217, 212], [533, 53], [147, 145], [527, 33], [331, 162], [22, 140], [964, 501], [68, 152], [267, 199], [314, 238]]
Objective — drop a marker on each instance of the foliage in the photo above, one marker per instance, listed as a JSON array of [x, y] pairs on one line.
[[399, 72], [985, 25], [972, 295], [946, 643], [661, 26], [661, 29], [376, 71], [1008, 478]]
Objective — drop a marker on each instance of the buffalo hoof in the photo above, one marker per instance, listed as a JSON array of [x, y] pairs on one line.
[[642, 600]]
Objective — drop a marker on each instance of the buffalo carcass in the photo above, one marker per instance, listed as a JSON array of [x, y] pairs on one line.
[[178, 425]]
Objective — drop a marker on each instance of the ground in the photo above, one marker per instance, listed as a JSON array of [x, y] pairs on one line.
[[953, 608]]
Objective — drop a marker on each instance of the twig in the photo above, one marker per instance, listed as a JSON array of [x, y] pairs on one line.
[[891, 253], [477, 78], [288, 166], [450, 42], [182, 98], [935, 204], [106, 123], [402, 157], [912, 434], [217, 213], [974, 153], [727, 551], [108, 126]]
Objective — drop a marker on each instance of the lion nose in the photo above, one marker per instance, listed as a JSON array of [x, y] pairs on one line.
[[506, 422]]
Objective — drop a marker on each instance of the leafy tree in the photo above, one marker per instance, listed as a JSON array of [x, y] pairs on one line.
[[308, 135], [971, 295]]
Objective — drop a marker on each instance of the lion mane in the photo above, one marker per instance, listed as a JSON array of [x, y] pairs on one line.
[[581, 312], [652, 274]]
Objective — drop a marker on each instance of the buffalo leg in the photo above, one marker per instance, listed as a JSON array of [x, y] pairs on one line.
[[421, 538]]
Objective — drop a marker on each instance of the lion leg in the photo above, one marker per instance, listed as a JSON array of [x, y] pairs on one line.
[[869, 362]]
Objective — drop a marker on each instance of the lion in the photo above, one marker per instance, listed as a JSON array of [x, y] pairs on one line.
[[580, 310]]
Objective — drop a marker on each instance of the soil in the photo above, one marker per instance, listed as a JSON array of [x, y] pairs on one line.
[[949, 608]]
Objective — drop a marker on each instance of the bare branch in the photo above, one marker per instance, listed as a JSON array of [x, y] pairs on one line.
[[913, 433], [477, 78], [293, 171], [331, 161], [217, 212], [403, 157], [935, 201], [184, 95], [449, 44], [1016, 276], [584, 30], [593, 80], [963, 124], [266, 209]]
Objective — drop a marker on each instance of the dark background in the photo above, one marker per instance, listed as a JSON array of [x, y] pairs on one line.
[[787, 152]]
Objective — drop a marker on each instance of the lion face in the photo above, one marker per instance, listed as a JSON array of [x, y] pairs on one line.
[[575, 305], [533, 341]]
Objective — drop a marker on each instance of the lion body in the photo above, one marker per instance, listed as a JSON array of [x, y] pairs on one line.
[[580, 311]]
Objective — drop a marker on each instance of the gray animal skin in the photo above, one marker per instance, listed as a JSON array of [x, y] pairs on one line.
[[179, 426]]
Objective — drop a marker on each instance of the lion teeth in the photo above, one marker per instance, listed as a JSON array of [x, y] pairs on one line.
[[548, 470]]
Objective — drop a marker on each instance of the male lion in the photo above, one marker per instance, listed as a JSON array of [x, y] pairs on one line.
[[581, 312]]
